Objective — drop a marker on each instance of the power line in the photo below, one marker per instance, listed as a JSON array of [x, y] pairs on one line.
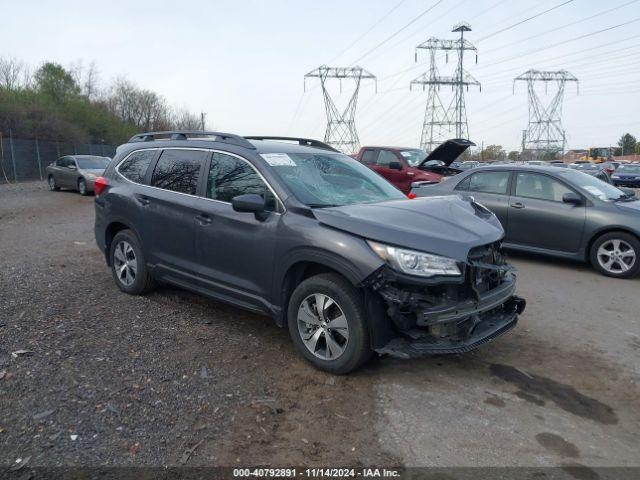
[[421, 29], [384, 17], [507, 59], [570, 24], [590, 49], [415, 19], [523, 21]]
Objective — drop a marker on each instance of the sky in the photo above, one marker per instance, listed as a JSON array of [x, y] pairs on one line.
[[243, 62]]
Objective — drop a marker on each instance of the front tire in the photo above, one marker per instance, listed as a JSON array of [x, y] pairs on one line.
[[616, 254], [327, 323], [128, 264], [82, 187], [52, 184]]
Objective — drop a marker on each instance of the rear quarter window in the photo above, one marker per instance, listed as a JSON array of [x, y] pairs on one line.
[[135, 167]]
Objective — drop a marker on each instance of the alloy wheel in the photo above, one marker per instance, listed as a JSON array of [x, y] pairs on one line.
[[616, 256], [125, 263], [82, 187], [52, 183], [323, 326]]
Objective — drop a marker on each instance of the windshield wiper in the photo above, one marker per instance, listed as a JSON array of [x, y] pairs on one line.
[[321, 205]]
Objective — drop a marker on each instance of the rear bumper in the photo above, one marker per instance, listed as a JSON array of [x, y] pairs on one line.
[[474, 330]]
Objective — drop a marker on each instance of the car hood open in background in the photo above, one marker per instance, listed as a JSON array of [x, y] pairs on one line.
[[449, 226], [449, 151]]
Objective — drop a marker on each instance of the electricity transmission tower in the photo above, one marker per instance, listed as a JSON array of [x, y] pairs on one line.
[[441, 123], [544, 133], [341, 127]]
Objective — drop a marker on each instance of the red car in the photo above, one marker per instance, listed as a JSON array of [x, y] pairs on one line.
[[406, 166]]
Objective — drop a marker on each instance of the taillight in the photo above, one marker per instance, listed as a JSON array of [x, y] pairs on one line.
[[99, 185], [411, 196]]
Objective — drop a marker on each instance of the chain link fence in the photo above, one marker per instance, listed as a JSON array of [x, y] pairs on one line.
[[26, 159]]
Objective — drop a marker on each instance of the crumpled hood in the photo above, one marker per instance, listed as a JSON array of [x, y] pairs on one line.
[[449, 225]]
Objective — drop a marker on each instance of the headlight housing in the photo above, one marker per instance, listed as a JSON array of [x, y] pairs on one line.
[[416, 263]]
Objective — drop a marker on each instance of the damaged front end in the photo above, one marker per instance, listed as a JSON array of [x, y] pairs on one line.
[[442, 315]]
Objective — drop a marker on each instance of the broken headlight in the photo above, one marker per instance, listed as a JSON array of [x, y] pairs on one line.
[[415, 263]]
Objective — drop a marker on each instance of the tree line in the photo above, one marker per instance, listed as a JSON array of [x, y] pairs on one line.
[[70, 104], [626, 145]]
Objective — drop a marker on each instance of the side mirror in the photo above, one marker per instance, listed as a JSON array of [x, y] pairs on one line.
[[573, 198], [395, 166], [250, 203]]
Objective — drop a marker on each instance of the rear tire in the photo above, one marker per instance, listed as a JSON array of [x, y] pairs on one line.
[[128, 264], [52, 184], [82, 187], [333, 336], [616, 254]]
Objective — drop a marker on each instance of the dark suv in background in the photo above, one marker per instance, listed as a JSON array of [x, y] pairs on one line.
[[296, 230]]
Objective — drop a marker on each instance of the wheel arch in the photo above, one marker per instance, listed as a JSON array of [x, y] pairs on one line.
[[605, 231], [111, 231], [304, 264]]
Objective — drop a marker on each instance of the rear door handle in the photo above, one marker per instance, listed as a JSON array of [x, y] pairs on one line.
[[142, 200], [204, 219], [517, 205]]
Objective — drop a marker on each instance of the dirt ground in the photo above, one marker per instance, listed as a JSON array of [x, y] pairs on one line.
[[176, 379]]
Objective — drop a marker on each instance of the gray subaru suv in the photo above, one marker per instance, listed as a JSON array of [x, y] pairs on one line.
[[293, 229]]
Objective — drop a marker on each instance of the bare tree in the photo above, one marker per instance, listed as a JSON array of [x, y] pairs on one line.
[[183, 119], [87, 78], [91, 83], [143, 108], [14, 74]]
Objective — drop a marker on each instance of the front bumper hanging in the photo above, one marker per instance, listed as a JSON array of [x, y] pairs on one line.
[[476, 330], [443, 317]]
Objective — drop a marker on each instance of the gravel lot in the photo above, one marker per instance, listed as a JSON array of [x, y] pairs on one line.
[[172, 378]]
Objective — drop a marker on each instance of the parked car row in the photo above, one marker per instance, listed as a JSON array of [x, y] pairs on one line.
[[558, 212], [549, 210]]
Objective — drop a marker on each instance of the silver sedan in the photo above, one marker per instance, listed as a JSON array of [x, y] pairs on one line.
[[76, 172], [556, 211]]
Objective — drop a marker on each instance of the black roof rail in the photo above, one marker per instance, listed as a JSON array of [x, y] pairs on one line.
[[306, 142], [193, 134]]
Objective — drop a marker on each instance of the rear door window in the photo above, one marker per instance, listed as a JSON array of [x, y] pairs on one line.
[[135, 167], [489, 182], [229, 177], [178, 170]]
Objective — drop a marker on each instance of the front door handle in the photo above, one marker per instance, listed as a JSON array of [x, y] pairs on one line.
[[142, 200], [204, 219], [517, 205]]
